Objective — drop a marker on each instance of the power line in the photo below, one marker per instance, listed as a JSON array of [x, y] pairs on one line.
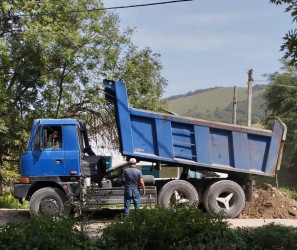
[[99, 9]]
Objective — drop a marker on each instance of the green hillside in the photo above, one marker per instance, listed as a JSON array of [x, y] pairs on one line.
[[217, 104]]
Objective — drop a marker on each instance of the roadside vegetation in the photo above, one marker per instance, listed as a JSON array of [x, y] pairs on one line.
[[292, 194], [149, 228], [8, 201]]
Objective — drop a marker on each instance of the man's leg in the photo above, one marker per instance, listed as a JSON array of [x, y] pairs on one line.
[[127, 201], [136, 198]]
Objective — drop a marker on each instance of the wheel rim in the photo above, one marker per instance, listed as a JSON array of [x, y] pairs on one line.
[[50, 206], [226, 200], [179, 198]]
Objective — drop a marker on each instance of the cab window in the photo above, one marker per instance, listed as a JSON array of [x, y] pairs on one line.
[[52, 137]]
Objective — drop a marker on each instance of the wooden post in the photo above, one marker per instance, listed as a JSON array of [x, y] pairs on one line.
[[250, 81], [234, 105]]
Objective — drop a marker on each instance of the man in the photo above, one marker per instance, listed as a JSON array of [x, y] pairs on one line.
[[56, 143], [133, 177]]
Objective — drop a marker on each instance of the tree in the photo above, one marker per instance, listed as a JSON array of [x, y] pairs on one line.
[[281, 100], [290, 44], [52, 66], [140, 69]]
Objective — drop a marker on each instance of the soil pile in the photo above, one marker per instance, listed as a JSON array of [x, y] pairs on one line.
[[269, 203]]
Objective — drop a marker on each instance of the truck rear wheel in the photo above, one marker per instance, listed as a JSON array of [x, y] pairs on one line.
[[224, 196], [47, 201], [177, 192]]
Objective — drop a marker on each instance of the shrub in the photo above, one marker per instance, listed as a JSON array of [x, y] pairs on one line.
[[154, 228], [158, 228], [189, 229], [270, 236], [41, 232]]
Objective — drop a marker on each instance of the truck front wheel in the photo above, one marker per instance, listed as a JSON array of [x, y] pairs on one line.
[[177, 192], [224, 196], [47, 201]]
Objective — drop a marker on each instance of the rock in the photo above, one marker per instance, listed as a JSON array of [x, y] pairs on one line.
[[292, 212], [268, 204], [267, 186]]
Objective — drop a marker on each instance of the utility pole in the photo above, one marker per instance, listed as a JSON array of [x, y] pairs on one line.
[[250, 81], [234, 105]]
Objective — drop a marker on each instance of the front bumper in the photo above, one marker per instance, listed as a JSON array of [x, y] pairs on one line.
[[20, 190]]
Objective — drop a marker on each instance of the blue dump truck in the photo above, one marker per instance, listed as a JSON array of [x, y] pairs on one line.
[[54, 169]]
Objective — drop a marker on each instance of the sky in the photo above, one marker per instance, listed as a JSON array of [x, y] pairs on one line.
[[209, 43]]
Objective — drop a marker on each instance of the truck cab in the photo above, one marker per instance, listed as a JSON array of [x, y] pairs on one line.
[[57, 154], [46, 156]]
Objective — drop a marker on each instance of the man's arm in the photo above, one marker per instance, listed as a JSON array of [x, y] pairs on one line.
[[142, 185]]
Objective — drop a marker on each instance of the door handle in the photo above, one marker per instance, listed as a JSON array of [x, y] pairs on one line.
[[58, 161]]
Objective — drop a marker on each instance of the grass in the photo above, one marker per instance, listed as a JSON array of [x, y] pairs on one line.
[[292, 194], [8, 201]]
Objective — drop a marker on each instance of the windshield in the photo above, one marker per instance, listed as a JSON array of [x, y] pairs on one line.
[[29, 139]]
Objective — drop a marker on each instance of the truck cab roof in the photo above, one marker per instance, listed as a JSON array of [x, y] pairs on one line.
[[56, 121]]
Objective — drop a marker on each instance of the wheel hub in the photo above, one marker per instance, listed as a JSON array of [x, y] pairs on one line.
[[50, 206], [226, 201], [180, 197]]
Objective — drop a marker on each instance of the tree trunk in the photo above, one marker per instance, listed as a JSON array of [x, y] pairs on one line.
[[1, 177], [1, 166], [60, 91]]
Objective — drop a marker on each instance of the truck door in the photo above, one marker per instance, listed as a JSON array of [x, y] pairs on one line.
[[47, 151]]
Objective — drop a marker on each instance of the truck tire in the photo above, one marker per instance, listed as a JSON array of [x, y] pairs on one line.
[[47, 200], [224, 196], [177, 192]]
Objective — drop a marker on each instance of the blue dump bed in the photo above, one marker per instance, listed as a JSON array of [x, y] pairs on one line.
[[199, 144]]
